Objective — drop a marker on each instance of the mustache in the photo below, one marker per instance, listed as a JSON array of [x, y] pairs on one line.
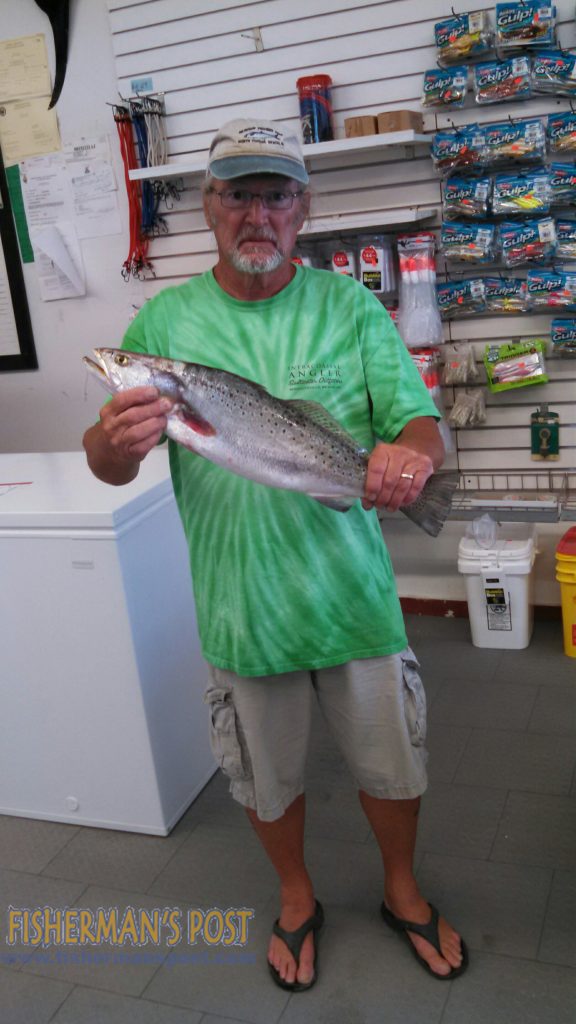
[[256, 235]]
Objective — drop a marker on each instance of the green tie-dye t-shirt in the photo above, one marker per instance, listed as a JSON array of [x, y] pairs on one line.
[[281, 582]]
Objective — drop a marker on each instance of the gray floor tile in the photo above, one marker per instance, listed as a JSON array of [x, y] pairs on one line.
[[27, 844], [332, 813], [20, 890], [484, 705], [516, 760], [123, 860], [346, 874], [29, 1000], [366, 977], [92, 1007], [555, 710], [446, 745], [456, 659], [558, 945], [536, 664], [501, 990], [448, 627], [221, 865], [498, 908], [537, 829], [459, 820], [219, 981]]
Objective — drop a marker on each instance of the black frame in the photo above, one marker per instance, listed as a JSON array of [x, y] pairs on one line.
[[26, 359]]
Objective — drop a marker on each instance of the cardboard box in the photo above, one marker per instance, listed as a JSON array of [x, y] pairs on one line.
[[399, 121], [363, 125]]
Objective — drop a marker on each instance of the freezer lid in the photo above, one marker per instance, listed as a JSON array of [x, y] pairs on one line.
[[55, 490]]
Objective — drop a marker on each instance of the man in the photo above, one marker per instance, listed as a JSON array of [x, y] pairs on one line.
[[293, 598]]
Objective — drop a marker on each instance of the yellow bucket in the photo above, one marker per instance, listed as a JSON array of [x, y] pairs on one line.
[[566, 576]]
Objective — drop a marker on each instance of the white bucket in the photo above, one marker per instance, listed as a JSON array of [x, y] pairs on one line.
[[499, 587]]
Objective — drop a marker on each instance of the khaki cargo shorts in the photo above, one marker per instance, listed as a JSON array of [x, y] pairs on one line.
[[375, 709]]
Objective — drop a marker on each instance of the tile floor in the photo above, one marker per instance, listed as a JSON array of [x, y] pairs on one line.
[[496, 851]]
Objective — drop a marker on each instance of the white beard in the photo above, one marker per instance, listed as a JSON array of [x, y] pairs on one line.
[[256, 263]]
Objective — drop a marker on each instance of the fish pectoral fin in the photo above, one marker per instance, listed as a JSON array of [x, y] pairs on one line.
[[342, 504], [194, 420]]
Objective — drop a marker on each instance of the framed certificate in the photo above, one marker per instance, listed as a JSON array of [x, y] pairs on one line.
[[17, 350]]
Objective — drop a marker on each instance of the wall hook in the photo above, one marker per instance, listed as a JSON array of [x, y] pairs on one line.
[[256, 35]]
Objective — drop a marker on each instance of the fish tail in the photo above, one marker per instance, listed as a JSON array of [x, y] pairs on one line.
[[434, 503]]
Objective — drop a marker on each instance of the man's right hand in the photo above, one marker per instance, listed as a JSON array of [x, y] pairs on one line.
[[130, 426]]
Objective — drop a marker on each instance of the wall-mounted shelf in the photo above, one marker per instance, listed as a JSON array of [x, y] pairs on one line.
[[545, 496], [360, 221], [314, 151]]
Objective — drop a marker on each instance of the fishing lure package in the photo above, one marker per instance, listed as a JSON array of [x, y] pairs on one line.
[[531, 241], [561, 133], [469, 409], [563, 184], [466, 197], [563, 333], [458, 299], [554, 72], [566, 237], [525, 23], [502, 81], [515, 365], [445, 88], [467, 243], [459, 149], [506, 295], [515, 142], [551, 290], [521, 194], [463, 37], [459, 365]]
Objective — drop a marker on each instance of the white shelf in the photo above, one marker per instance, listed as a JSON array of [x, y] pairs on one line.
[[356, 222], [314, 151]]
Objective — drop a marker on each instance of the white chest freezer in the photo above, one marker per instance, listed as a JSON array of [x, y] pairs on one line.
[[102, 720]]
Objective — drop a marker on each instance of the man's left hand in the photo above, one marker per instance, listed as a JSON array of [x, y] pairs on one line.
[[396, 474]]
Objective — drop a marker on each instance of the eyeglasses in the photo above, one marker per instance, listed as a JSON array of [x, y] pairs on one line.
[[241, 198]]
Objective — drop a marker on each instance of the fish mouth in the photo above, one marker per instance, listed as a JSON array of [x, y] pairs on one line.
[[98, 368]]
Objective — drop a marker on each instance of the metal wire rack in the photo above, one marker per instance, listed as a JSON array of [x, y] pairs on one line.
[[535, 496]]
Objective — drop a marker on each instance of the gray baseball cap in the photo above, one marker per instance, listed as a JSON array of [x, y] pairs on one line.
[[253, 146]]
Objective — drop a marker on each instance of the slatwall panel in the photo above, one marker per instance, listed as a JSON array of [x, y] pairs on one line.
[[202, 55]]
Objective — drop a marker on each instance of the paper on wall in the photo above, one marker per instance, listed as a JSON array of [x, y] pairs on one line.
[[45, 190], [58, 262], [24, 68], [93, 187], [27, 128]]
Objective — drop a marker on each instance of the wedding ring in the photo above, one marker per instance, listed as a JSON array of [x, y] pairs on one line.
[[407, 476]]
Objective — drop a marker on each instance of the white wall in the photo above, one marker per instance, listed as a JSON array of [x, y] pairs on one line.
[[46, 409]]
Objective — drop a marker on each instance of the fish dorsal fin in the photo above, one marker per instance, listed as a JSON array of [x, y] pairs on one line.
[[320, 417]]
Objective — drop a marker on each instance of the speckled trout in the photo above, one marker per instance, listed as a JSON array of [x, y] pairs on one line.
[[285, 443]]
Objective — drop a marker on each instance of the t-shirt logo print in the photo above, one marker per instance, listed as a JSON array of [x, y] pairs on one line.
[[314, 375]]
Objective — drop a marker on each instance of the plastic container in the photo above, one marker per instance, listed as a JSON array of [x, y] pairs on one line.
[[375, 264], [315, 99], [566, 576], [499, 587]]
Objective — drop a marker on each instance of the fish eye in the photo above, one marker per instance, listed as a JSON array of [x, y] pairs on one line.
[[121, 359]]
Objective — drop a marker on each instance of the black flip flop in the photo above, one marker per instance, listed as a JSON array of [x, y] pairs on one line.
[[430, 933], [294, 941]]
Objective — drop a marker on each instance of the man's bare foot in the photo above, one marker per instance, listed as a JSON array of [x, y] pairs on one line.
[[418, 911], [292, 917]]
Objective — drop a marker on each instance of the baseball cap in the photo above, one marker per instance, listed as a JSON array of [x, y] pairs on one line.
[[253, 146]]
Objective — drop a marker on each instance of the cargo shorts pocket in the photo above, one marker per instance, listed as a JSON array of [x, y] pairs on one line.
[[414, 698], [226, 740]]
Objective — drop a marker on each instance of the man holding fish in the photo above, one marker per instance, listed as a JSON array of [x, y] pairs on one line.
[[295, 372]]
